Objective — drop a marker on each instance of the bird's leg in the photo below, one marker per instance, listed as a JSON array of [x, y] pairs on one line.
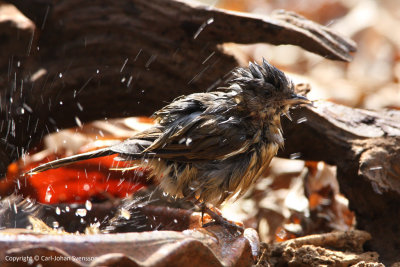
[[200, 205], [219, 219], [216, 216]]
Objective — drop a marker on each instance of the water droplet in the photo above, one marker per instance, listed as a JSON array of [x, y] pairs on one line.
[[48, 195], [56, 224], [81, 212], [88, 205], [129, 81], [201, 28], [188, 141], [375, 168], [192, 188], [67, 209], [125, 214], [151, 60], [27, 107], [295, 155], [95, 225], [60, 75], [97, 71], [301, 120], [123, 65], [281, 234], [86, 187], [20, 111], [79, 106], [208, 57], [58, 211], [78, 122], [61, 103]]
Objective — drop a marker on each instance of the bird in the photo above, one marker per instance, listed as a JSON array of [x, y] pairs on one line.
[[210, 146]]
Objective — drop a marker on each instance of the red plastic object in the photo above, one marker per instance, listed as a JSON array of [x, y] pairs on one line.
[[76, 183]]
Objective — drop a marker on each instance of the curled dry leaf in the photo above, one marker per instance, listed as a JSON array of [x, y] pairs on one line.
[[211, 247]]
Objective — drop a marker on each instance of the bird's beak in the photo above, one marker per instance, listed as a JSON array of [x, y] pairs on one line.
[[296, 99]]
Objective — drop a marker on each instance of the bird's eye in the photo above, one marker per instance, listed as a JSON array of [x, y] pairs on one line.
[[269, 89]]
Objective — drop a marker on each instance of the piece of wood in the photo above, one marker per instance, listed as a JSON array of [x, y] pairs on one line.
[[312, 250], [364, 145]]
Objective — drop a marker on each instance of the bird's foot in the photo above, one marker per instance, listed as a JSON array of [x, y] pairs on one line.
[[220, 220]]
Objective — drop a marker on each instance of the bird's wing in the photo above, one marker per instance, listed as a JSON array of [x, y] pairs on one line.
[[194, 128], [192, 138]]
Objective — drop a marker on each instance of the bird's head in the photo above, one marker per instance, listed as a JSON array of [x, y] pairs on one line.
[[265, 89]]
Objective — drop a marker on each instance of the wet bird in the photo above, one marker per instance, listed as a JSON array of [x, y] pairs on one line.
[[210, 146]]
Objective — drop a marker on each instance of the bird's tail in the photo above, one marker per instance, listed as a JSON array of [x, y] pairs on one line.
[[68, 160]]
